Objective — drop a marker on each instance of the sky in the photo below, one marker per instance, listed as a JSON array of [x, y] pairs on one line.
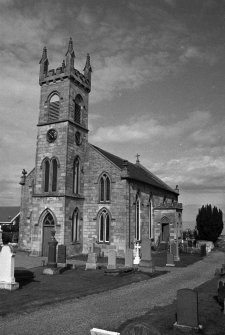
[[158, 86]]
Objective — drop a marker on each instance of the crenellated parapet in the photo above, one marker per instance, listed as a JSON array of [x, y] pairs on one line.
[[65, 71]]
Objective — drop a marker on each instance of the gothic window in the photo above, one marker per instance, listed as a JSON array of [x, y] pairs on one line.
[[54, 174], [46, 175], [104, 188], [75, 226], [48, 220], [50, 175], [53, 108], [76, 176], [104, 223], [79, 105], [137, 220]]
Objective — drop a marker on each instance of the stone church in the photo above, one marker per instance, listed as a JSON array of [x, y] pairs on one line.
[[81, 191]]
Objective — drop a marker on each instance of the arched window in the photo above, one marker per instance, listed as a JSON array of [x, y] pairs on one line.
[[53, 108], [54, 175], [75, 234], [76, 176], [79, 105], [137, 220], [50, 175], [104, 188], [48, 220], [104, 225], [46, 175]]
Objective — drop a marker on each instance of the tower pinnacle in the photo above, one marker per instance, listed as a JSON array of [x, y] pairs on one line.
[[87, 69], [43, 65], [70, 55]]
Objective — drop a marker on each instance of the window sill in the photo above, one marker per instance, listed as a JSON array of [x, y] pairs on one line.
[[75, 243], [101, 242], [105, 202]]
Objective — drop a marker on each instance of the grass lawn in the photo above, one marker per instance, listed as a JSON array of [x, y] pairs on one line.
[[210, 313], [74, 283]]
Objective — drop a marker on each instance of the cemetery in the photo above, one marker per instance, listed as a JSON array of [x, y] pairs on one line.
[[53, 281]]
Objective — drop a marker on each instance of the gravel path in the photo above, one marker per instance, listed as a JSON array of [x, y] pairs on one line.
[[108, 310]]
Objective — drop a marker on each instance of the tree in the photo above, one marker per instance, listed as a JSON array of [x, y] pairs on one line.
[[209, 223]]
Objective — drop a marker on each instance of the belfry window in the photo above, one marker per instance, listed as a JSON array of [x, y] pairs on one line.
[[137, 220], [104, 188], [53, 108], [104, 224], [76, 176], [78, 107], [50, 175], [75, 226]]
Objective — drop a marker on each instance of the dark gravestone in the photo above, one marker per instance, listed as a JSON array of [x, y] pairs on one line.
[[203, 250], [146, 264], [61, 254], [221, 292], [190, 243], [173, 248], [187, 308]]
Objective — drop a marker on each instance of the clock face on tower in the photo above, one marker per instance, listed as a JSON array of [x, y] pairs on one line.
[[51, 135]]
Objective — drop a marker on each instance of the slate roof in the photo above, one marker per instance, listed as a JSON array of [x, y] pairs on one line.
[[8, 213], [136, 171]]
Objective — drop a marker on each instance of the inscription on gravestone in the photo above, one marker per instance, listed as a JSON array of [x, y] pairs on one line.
[[187, 308], [61, 254]]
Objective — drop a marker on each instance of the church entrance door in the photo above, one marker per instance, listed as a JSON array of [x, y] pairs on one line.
[[165, 232], [48, 226]]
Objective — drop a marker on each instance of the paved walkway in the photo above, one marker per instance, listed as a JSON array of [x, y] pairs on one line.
[[108, 310]]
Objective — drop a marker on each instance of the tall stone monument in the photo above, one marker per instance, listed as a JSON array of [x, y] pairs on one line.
[[7, 266], [146, 264]]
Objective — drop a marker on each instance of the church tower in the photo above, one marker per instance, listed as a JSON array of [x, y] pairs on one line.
[[60, 153]]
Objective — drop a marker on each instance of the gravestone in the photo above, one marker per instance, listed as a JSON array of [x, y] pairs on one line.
[[173, 249], [170, 259], [96, 331], [111, 259], [52, 268], [1, 236], [203, 250], [61, 258], [129, 258], [91, 261], [221, 291], [146, 264], [187, 310], [7, 267], [136, 251]]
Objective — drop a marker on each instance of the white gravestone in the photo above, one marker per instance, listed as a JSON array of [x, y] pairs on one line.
[[7, 265], [137, 257], [96, 331]]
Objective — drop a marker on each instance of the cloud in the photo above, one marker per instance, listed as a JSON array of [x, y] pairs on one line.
[[195, 53], [146, 128]]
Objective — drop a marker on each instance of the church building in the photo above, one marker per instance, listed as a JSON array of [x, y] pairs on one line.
[[81, 191]]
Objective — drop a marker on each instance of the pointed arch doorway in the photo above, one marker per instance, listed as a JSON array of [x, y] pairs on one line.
[[48, 226]]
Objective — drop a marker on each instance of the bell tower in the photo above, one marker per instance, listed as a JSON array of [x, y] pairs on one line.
[[61, 147]]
